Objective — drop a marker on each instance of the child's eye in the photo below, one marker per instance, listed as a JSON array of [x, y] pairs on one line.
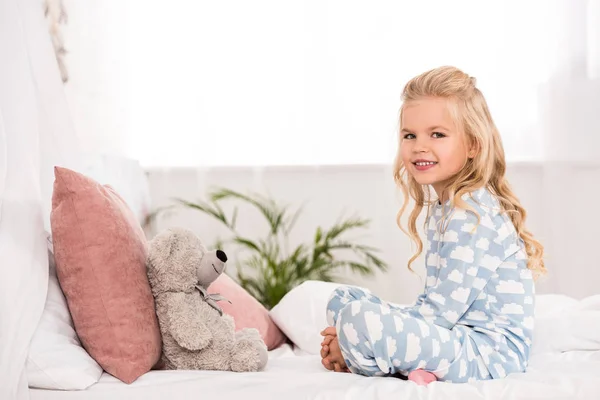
[[438, 135], [409, 136]]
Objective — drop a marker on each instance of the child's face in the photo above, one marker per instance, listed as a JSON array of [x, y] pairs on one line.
[[431, 147]]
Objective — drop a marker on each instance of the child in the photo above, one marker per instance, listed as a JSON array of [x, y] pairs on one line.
[[474, 320]]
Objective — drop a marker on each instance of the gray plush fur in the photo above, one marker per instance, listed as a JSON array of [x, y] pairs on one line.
[[194, 334]]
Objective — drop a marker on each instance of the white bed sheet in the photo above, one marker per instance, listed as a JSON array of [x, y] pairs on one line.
[[289, 376]]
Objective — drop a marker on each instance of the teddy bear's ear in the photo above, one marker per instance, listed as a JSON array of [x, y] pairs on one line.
[[173, 259]]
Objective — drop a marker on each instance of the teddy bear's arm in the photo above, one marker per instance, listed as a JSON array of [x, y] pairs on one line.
[[186, 324]]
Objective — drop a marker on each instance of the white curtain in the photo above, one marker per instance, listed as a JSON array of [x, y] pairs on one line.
[[35, 134]]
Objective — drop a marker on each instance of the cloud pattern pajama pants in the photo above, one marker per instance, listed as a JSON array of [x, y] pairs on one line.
[[381, 339]]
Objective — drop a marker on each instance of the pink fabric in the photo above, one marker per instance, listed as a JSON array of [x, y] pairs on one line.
[[100, 251], [247, 311]]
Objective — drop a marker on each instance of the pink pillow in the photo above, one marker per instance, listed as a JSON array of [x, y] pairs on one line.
[[247, 311], [100, 252]]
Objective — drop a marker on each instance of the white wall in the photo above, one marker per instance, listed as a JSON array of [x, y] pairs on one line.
[[560, 214]]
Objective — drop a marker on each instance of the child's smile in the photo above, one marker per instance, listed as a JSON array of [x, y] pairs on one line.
[[424, 165]]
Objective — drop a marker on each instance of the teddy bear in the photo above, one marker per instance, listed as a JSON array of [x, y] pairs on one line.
[[195, 332]]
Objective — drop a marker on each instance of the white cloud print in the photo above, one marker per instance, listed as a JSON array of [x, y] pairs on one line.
[[435, 348], [512, 308], [463, 369], [455, 276], [361, 359], [432, 260], [374, 325], [432, 223], [500, 370], [450, 237], [490, 262], [450, 316], [413, 347], [508, 265], [431, 280], [461, 294], [383, 365], [483, 244], [477, 316], [351, 334], [391, 346], [426, 310], [330, 315], [487, 222], [424, 328], [460, 215], [512, 287], [463, 253], [399, 323], [438, 298], [468, 227], [479, 283], [512, 249], [503, 233], [355, 307]]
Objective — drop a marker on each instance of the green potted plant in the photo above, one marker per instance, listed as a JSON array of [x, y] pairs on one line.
[[269, 269]]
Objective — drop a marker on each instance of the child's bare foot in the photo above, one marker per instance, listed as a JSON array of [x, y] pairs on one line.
[[421, 377], [335, 360]]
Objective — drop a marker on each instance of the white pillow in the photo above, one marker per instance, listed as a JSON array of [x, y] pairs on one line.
[[56, 358], [301, 314], [564, 324]]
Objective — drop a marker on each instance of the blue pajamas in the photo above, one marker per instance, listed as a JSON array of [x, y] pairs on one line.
[[474, 320], [378, 338]]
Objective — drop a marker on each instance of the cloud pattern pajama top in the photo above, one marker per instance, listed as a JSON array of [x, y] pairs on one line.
[[474, 320]]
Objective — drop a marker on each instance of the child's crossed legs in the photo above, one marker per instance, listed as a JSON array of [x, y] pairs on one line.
[[377, 338]]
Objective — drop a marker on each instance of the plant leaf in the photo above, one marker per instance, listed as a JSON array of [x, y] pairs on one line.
[[345, 226], [267, 207], [215, 211]]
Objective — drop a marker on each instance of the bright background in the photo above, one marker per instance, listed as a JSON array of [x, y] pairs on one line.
[[300, 99]]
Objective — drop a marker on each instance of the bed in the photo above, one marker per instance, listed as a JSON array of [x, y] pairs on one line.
[[569, 375], [565, 363]]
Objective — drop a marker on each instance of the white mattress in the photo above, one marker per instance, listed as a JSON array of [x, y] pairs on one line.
[[555, 375]]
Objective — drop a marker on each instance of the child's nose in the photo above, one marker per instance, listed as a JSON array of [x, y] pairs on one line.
[[420, 147]]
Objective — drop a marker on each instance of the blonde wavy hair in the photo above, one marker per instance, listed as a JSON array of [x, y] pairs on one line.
[[471, 115]]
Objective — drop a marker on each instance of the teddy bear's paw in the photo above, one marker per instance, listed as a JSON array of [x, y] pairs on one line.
[[249, 354]]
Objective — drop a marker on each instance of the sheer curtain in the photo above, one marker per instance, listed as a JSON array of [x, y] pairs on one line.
[[36, 133], [296, 97]]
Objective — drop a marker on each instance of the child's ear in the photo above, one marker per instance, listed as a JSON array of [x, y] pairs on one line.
[[473, 149]]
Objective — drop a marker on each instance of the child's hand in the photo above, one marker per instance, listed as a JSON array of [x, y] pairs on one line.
[[329, 334], [329, 331], [335, 360]]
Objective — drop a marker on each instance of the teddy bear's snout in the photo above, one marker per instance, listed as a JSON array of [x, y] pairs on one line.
[[221, 256]]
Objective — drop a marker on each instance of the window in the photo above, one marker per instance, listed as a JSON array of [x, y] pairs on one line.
[[318, 82]]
